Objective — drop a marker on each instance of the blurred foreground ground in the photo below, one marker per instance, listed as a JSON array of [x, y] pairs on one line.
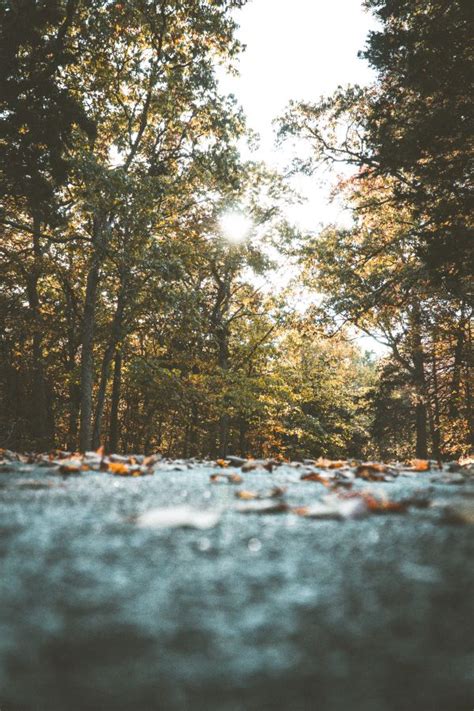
[[260, 612]]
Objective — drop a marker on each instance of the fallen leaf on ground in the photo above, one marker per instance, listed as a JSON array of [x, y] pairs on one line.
[[230, 478], [121, 469], [322, 463], [119, 458], [72, 466], [262, 506], [329, 481], [275, 493], [236, 461], [333, 508], [371, 471], [319, 478], [151, 460], [378, 506], [267, 464], [118, 468], [178, 517], [420, 465]]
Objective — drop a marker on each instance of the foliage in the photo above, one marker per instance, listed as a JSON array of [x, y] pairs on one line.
[[403, 272], [127, 317], [412, 128]]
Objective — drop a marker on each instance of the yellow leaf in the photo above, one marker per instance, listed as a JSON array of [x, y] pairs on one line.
[[246, 495]]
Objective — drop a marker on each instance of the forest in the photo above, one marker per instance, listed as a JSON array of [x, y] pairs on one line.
[[133, 317]]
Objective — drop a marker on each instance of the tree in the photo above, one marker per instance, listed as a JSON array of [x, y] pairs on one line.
[[412, 128], [372, 278], [127, 106], [419, 123], [159, 108], [407, 260], [38, 116]]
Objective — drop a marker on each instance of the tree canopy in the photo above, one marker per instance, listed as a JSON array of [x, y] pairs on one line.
[[127, 317]]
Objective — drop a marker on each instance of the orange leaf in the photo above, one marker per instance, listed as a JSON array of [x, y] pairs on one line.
[[329, 463], [372, 471], [420, 465], [231, 478], [384, 506], [312, 476], [378, 506], [118, 468]]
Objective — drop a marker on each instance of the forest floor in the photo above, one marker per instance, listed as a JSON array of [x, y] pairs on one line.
[[350, 589]]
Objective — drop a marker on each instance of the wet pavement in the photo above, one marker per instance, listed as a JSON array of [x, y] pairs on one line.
[[262, 611]]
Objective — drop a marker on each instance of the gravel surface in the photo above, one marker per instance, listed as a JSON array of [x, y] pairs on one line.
[[259, 612]]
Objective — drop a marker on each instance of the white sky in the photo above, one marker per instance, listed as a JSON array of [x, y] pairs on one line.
[[300, 50], [297, 49]]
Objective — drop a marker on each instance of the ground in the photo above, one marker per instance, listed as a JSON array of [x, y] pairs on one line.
[[263, 611]]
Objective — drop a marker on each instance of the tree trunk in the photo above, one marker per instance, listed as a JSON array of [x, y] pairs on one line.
[[436, 426], [74, 405], [222, 333], [224, 420], [88, 326], [193, 433], [115, 336], [114, 407], [242, 436], [224, 426], [40, 421], [419, 383], [99, 408], [454, 397], [71, 314], [468, 395]]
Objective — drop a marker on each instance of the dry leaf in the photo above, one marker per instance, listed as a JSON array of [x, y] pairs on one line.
[[275, 493], [262, 506], [118, 468], [178, 517], [246, 495], [313, 476], [379, 506], [151, 460], [420, 465], [230, 478], [371, 471], [322, 463], [72, 466], [334, 508], [267, 464]]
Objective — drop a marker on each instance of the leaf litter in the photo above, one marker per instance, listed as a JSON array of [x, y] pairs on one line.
[[337, 476]]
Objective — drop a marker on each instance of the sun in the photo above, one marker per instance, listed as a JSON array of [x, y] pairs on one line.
[[235, 226]]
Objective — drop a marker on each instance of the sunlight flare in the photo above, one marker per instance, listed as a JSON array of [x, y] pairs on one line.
[[235, 226]]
